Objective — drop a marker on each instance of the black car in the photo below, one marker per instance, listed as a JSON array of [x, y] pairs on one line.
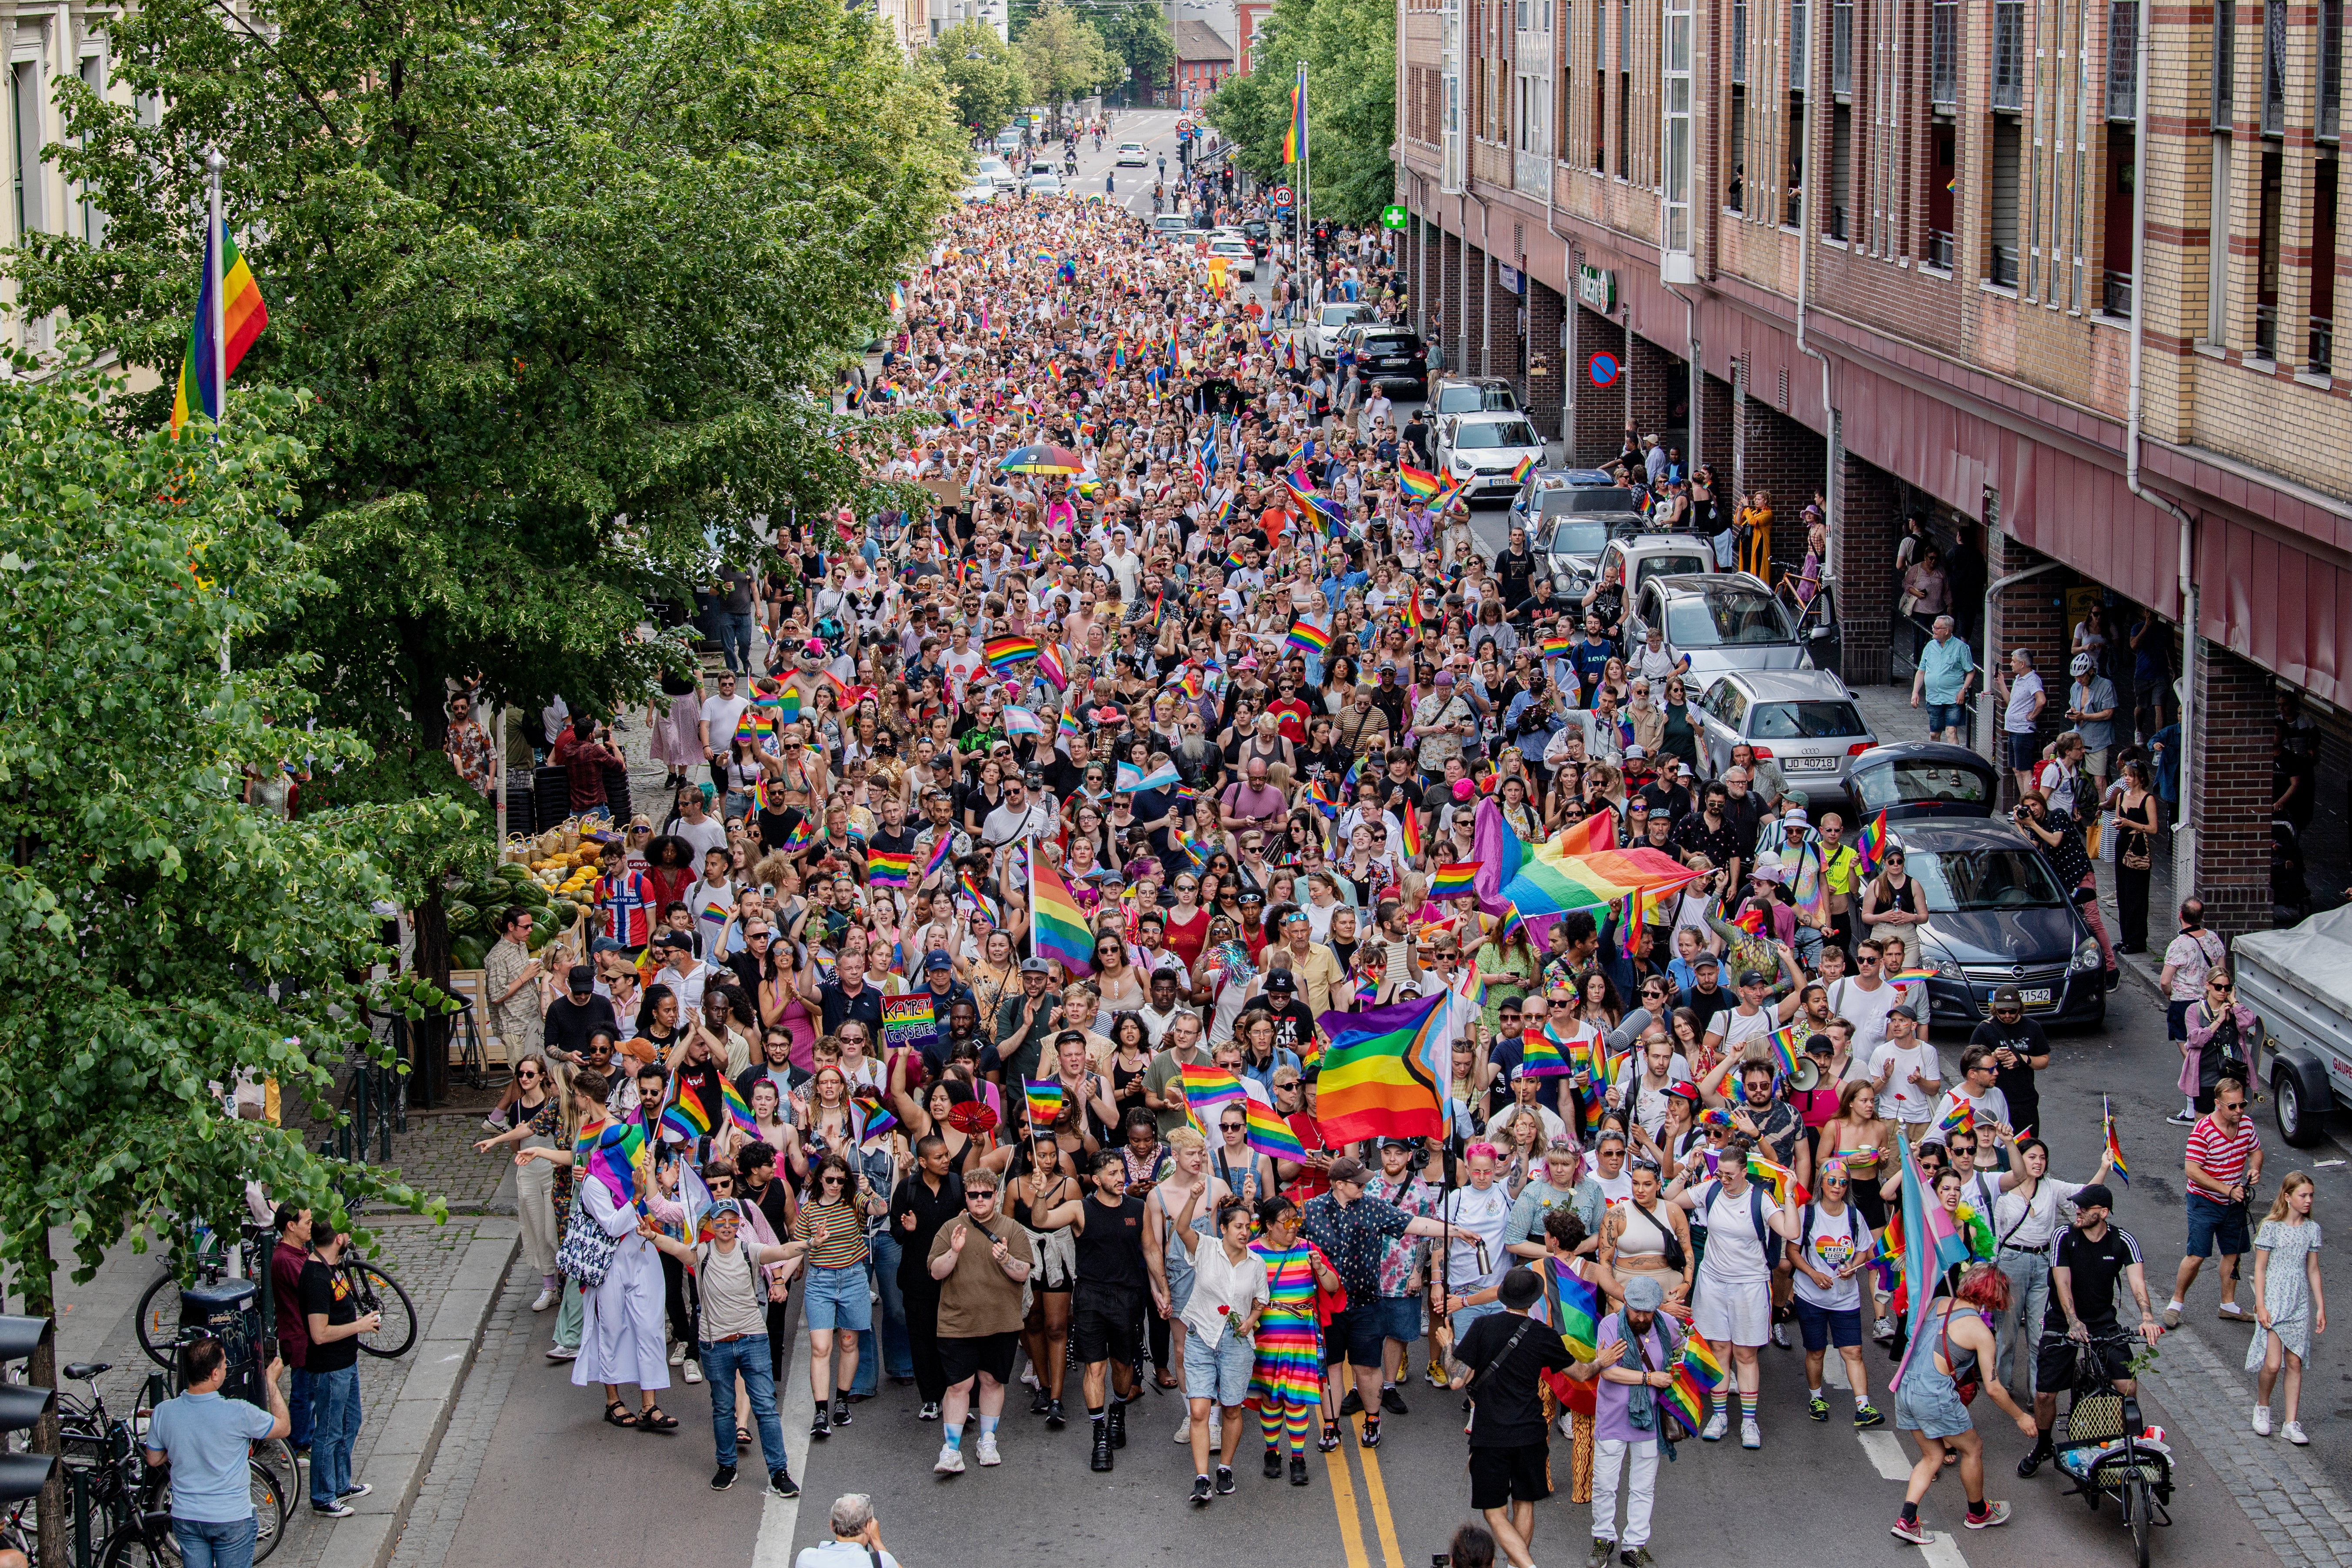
[[1260, 236], [1392, 357], [1998, 914]]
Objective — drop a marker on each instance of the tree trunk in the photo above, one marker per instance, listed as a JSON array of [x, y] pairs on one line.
[[56, 1542], [429, 1036]]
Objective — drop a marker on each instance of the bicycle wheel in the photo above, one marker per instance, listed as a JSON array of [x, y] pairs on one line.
[[269, 1508], [277, 1455], [158, 1322], [147, 1543], [380, 1292], [2138, 1515]]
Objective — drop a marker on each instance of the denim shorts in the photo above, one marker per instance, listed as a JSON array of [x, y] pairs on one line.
[[2024, 751], [1946, 716], [2213, 1226], [837, 1299], [1930, 1406], [1221, 1373], [1393, 1318]]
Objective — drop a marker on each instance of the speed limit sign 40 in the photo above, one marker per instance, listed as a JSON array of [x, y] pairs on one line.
[[1282, 196], [1183, 127]]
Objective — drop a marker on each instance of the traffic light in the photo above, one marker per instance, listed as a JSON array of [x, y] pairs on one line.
[[23, 1475]]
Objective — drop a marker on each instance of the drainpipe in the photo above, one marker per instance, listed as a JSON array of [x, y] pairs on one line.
[[2184, 836], [1691, 459], [1988, 713], [1485, 275]]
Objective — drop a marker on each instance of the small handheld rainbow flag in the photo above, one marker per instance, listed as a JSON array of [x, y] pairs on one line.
[[1869, 844], [1206, 1088], [1308, 638], [1961, 1118], [1412, 609], [887, 869], [738, 1111], [1057, 926], [803, 834], [1698, 1374], [1579, 1319], [1003, 653], [1555, 645], [1911, 976], [687, 1115], [1416, 484], [1270, 1135], [1783, 1043], [1411, 825], [938, 854], [1453, 880], [879, 1123], [1753, 921], [1540, 1058], [1783, 1182], [2115, 1148], [1044, 1097], [1520, 475]]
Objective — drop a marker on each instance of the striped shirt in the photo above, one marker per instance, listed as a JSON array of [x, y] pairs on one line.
[[843, 1234], [2223, 1157]]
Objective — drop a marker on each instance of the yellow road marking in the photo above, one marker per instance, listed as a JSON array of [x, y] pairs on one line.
[[1343, 1498], [1376, 1492]]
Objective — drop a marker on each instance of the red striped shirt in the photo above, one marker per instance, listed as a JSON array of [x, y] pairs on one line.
[[2221, 1156]]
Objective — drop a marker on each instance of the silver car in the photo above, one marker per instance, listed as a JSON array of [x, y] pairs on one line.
[[1719, 622], [1802, 720]]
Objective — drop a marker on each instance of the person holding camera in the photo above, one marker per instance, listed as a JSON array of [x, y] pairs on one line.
[[335, 1324], [206, 1437]]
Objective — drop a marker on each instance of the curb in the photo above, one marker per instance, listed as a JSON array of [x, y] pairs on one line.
[[409, 1434]]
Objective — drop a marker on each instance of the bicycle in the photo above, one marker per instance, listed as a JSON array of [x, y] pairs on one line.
[[373, 1289]]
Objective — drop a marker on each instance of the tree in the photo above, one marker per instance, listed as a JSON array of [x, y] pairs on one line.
[[1349, 50], [985, 91], [151, 913], [1063, 56], [1137, 35]]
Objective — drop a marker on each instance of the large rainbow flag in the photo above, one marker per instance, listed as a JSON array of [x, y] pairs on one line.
[[1931, 1243], [616, 1154], [1057, 927], [1375, 1081], [1551, 884]]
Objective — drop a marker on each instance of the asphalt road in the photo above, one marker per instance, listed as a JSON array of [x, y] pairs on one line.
[[1811, 1494]]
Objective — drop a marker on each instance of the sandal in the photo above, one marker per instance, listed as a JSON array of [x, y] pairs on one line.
[[652, 1420], [1164, 1381], [615, 1413], [741, 1437]]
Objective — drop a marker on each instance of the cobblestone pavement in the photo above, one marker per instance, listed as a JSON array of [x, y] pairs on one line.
[[464, 1453], [435, 1156]]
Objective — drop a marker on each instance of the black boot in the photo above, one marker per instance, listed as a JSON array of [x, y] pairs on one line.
[[1054, 1420], [1297, 1469], [1117, 1422], [1273, 1464], [2036, 1456], [1101, 1460]]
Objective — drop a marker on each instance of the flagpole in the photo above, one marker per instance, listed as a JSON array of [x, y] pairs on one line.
[[215, 236]]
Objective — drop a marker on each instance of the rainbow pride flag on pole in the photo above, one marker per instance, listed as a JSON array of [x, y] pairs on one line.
[[1043, 1098], [1417, 485], [1375, 1081], [1270, 1135], [228, 282], [1057, 927], [1003, 653], [2115, 1148], [1206, 1088], [886, 869], [1698, 1373], [1294, 140], [1453, 880], [738, 1111], [1869, 844], [1308, 638], [1549, 885]]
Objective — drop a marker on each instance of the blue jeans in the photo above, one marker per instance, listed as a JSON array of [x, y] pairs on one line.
[[298, 1408], [749, 1355], [897, 1352], [335, 1399], [204, 1544], [735, 639]]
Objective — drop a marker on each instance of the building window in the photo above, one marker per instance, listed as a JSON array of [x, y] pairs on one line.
[[2123, 60], [1735, 190], [1944, 55], [2225, 59], [1797, 50], [2001, 205], [1943, 185], [1841, 171], [2322, 352], [1675, 171], [1842, 46], [2267, 265], [91, 220], [2120, 265], [1739, 41], [1793, 204], [2008, 54], [2331, 66], [2217, 246], [2274, 68], [25, 114]]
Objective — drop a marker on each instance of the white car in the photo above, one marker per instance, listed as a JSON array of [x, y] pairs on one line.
[[1323, 332], [1045, 185], [1172, 223], [1483, 451], [980, 191], [1241, 261], [1131, 156]]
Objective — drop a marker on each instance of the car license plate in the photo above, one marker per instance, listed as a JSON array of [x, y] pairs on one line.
[[1396, 363], [1809, 765], [2037, 997]]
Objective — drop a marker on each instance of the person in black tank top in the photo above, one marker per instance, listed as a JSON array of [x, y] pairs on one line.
[[1109, 1303]]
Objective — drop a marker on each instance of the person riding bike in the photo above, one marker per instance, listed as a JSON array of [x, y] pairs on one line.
[[2081, 1318]]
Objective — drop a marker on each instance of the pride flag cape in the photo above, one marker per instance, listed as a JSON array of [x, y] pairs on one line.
[[1375, 1081], [1578, 1316], [616, 1155], [1270, 1135], [1550, 884], [1931, 1244], [1057, 927]]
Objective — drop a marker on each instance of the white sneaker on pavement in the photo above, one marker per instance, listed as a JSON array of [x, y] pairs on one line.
[[950, 1461], [2262, 1420], [694, 1372], [1750, 1434], [2293, 1432], [677, 1352], [988, 1454], [1717, 1426], [546, 1299]]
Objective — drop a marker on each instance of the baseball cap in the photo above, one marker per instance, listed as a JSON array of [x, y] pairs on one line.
[[1399, 1142], [1707, 960], [935, 961], [723, 1208], [1035, 966], [1904, 1010], [2095, 1196], [1751, 977], [580, 976], [675, 939], [606, 944], [2007, 996], [1684, 1090], [1346, 1168]]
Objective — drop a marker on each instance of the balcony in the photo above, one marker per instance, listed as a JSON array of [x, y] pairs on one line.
[[1530, 173], [2008, 54], [2116, 293], [2003, 273], [2123, 60], [1939, 249], [2266, 331], [2323, 345], [1944, 54]]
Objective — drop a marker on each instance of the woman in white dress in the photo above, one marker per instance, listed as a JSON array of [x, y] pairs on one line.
[[621, 1340]]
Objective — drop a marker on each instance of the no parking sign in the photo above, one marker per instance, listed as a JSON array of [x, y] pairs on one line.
[[1602, 367]]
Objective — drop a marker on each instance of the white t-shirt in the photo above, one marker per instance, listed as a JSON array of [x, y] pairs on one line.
[[1866, 1010], [2018, 716], [842, 1554], [720, 716], [1990, 1107], [2040, 1214], [1834, 1240], [1901, 1100], [1734, 1253], [705, 836], [1738, 1029], [1484, 1216]]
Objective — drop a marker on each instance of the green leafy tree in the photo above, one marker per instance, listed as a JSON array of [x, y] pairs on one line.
[[1351, 51], [150, 912], [986, 89], [1137, 35], [1063, 56]]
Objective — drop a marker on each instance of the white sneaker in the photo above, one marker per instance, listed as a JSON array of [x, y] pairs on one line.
[[694, 1372], [546, 1299], [2293, 1431], [1717, 1426], [564, 1352], [1750, 1434], [1184, 1429], [988, 1454], [677, 1352], [2262, 1420], [950, 1461], [1780, 1335]]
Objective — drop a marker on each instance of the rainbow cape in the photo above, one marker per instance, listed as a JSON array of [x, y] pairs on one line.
[[1578, 1316]]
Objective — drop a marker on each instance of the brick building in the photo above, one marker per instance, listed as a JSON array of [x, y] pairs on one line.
[[1884, 250], [1205, 57]]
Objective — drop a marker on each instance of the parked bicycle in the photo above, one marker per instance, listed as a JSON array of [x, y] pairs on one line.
[[375, 1290]]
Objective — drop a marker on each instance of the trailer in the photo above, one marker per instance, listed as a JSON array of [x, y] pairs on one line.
[[2300, 980]]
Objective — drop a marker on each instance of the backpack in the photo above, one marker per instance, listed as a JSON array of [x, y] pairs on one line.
[[1764, 1236], [704, 1252]]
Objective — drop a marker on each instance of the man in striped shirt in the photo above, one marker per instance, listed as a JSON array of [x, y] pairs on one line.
[[2225, 1164]]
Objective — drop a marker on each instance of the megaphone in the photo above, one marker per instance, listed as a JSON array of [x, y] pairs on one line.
[[1806, 1075]]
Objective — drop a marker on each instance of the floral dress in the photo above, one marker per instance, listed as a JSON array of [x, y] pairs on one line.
[[2286, 1287]]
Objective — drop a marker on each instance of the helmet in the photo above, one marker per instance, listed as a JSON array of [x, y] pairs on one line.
[[2083, 663]]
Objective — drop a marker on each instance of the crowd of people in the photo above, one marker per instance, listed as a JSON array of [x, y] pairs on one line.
[[1140, 752]]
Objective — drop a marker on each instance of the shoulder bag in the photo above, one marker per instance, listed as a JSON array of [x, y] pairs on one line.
[[586, 1254]]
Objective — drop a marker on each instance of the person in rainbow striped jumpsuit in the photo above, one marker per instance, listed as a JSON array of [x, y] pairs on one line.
[[1287, 1382]]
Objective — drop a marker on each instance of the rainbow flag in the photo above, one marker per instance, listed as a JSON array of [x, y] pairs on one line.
[[1961, 1118], [1418, 485], [1412, 609], [1003, 653], [1294, 139], [1786, 1188], [1556, 646], [1520, 475], [1753, 921], [1375, 1082], [1910, 976], [1308, 638], [1410, 822], [755, 721], [1270, 1135], [878, 1121], [1057, 927], [898, 299], [1698, 1373], [1319, 795], [1539, 1058], [1043, 1098], [1206, 1088], [803, 834], [243, 315], [739, 1112], [1068, 726], [1549, 884], [617, 1156], [887, 869], [2115, 1148], [1869, 844], [939, 853], [1784, 1042], [687, 1115], [1579, 1317], [1593, 835], [1453, 880]]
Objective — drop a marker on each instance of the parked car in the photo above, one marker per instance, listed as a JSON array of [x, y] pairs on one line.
[[1472, 395], [1045, 185], [1132, 156], [1484, 451], [1637, 558], [1997, 914], [1720, 621], [1570, 513], [1389, 357], [1323, 332], [1805, 721], [2298, 980], [1241, 261]]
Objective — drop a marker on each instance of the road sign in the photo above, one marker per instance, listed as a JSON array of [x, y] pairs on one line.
[[1603, 368], [1392, 217], [1183, 126], [1282, 196]]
